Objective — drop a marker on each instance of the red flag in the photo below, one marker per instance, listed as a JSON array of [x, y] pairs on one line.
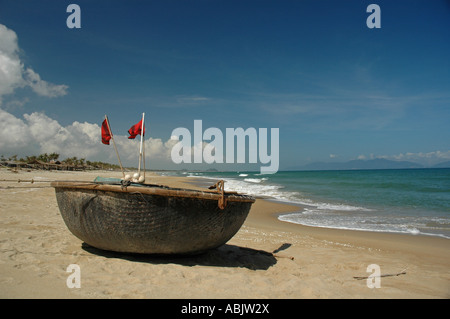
[[135, 130], [106, 133]]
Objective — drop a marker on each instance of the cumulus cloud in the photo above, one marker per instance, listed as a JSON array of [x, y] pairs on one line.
[[36, 133], [13, 73], [14, 133], [424, 158], [10, 66], [42, 87], [428, 158]]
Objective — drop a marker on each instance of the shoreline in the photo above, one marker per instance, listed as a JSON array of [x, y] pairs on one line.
[[269, 220], [36, 248], [291, 207]]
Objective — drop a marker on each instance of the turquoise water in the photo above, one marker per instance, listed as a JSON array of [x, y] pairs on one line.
[[414, 201]]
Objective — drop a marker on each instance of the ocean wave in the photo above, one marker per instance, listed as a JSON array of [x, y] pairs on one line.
[[375, 223], [257, 188], [255, 180], [317, 212], [260, 187], [341, 207]]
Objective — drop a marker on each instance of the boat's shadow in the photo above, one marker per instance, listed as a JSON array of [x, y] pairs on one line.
[[224, 256]]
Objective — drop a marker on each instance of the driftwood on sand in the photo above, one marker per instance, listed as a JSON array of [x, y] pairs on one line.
[[403, 272]]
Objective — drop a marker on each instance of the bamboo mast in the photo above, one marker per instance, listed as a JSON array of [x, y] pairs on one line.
[[141, 147], [114, 143], [143, 156]]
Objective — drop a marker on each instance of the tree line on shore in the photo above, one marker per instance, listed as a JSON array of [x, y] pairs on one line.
[[52, 160]]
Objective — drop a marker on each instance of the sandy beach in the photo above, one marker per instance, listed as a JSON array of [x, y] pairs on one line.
[[267, 258]]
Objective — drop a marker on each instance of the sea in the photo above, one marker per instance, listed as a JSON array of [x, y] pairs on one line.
[[410, 201]]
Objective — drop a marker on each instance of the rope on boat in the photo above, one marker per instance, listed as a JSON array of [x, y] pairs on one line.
[[32, 181], [22, 181], [220, 185]]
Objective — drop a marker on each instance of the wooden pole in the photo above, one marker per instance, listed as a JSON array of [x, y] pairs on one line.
[[140, 147], [115, 147], [143, 157]]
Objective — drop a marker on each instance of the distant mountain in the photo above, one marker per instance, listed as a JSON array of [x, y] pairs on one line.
[[442, 165], [378, 163]]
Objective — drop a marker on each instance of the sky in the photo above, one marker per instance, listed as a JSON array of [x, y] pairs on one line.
[[336, 89]]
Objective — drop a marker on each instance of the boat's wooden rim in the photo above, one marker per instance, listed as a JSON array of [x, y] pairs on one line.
[[155, 190]]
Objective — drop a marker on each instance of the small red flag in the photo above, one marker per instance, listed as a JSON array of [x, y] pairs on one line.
[[106, 133], [135, 130]]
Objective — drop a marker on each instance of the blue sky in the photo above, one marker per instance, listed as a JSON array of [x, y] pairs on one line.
[[336, 89]]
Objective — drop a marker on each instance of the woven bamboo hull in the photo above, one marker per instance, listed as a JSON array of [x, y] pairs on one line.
[[149, 221]]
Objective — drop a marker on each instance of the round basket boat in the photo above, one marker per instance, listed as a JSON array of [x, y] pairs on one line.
[[150, 219]]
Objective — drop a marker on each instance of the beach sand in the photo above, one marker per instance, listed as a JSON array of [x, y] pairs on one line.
[[36, 249]]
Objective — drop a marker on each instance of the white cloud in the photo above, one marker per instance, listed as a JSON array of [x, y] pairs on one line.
[[429, 158], [191, 99], [10, 65], [426, 159], [14, 133], [41, 127], [13, 73], [37, 133], [42, 87]]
